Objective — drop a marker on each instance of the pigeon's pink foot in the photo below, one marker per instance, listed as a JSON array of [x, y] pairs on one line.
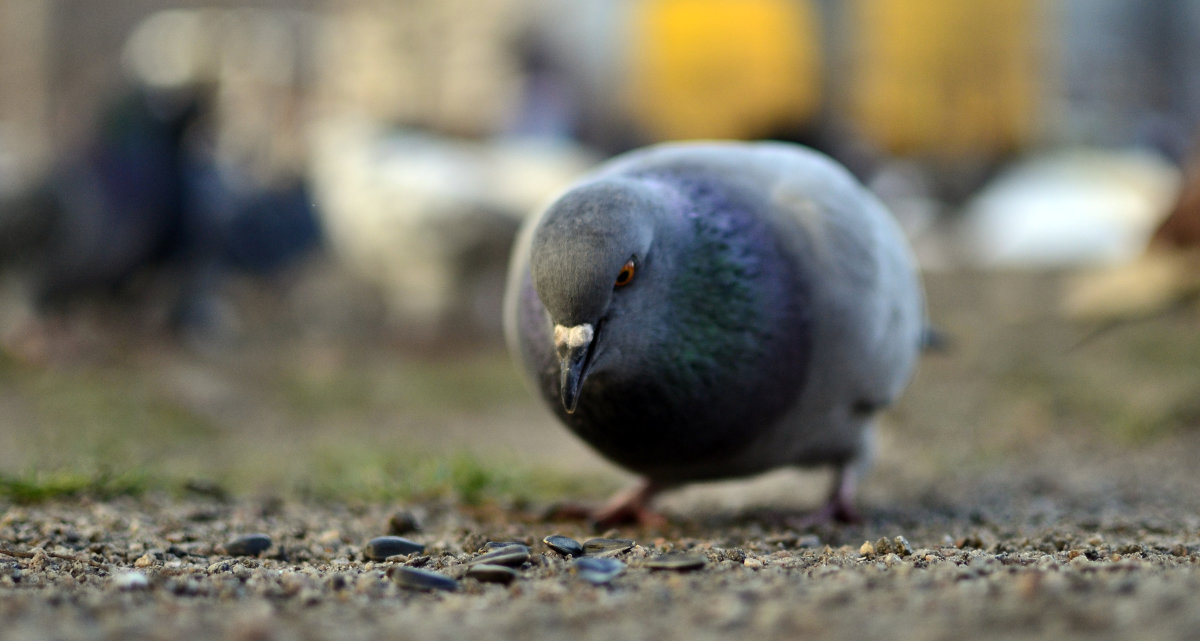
[[631, 506]]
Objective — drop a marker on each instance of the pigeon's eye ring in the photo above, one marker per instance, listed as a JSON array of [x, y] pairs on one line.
[[625, 276]]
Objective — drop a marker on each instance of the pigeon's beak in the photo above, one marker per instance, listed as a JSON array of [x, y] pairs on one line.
[[573, 345]]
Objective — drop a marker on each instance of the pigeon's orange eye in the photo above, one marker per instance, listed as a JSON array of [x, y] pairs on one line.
[[626, 274]]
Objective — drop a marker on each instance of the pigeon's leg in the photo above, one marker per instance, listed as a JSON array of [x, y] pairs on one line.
[[839, 507], [631, 505]]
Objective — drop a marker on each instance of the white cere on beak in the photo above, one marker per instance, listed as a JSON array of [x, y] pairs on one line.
[[573, 337]]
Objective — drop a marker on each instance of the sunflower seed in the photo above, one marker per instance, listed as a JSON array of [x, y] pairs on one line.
[[491, 573], [414, 579], [680, 562], [597, 570], [513, 555], [380, 548], [564, 545], [606, 547]]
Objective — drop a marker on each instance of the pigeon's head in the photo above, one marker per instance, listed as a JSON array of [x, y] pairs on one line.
[[591, 263]]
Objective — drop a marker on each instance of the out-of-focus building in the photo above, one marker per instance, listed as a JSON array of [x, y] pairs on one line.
[[909, 76], [24, 91], [429, 106]]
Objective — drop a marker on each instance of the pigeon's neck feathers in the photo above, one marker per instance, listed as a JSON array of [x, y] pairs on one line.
[[729, 278]]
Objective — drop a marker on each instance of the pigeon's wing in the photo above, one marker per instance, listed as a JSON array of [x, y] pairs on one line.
[[869, 303]]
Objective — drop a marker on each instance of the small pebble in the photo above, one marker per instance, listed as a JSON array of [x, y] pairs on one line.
[[491, 573], [144, 561], [403, 522], [597, 570], [382, 547], [511, 555], [564, 545], [679, 562], [414, 579], [248, 545], [130, 580], [753, 563], [808, 541], [867, 549], [606, 547]]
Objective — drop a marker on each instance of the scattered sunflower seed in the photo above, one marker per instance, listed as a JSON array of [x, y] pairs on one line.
[[496, 545], [491, 573], [512, 555], [680, 562], [564, 545], [380, 548], [414, 579], [597, 570], [606, 547]]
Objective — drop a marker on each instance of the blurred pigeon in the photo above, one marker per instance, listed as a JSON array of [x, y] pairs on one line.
[[118, 206], [701, 311], [148, 192]]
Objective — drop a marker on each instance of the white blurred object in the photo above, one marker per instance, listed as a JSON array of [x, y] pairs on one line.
[[1082, 207], [430, 219]]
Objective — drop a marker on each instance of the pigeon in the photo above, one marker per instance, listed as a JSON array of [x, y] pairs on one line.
[[702, 311]]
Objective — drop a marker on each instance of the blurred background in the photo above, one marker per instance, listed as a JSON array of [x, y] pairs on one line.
[[262, 244]]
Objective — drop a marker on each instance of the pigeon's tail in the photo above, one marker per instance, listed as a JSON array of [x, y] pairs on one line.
[[934, 339]]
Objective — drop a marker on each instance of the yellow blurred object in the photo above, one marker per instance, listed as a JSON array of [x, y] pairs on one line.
[[722, 68], [945, 76]]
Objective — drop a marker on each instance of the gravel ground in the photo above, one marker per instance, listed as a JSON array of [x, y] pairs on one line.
[[1011, 563], [1025, 489]]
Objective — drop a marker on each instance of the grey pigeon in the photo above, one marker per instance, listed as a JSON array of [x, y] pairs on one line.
[[702, 311]]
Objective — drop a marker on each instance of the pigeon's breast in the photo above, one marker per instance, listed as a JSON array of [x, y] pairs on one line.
[[730, 355]]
